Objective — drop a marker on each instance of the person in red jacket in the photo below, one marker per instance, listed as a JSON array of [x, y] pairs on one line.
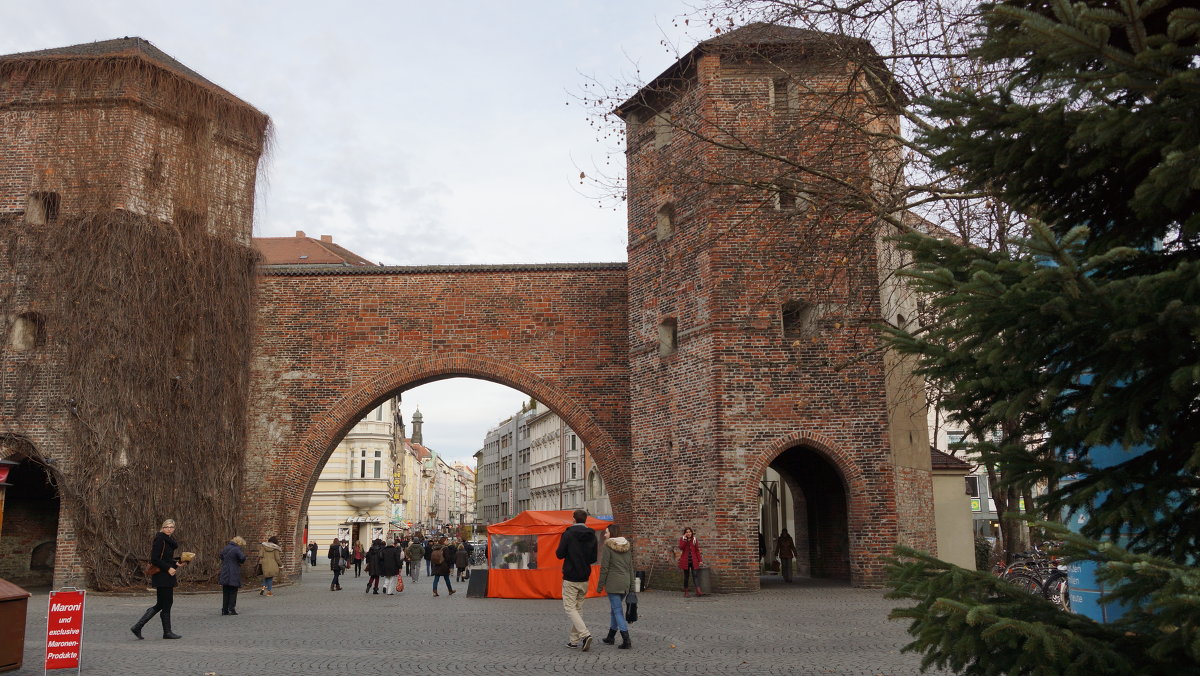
[[689, 560]]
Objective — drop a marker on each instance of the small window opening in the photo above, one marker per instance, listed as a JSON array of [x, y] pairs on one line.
[[664, 221], [28, 332], [780, 96], [668, 337], [663, 130], [799, 319], [42, 208], [972, 486], [791, 196]]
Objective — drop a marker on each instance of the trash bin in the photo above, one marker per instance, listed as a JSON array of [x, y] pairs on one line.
[[704, 579], [14, 603]]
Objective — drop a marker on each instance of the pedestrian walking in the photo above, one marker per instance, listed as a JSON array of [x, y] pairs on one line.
[[787, 551], [689, 560], [373, 565], [416, 554], [312, 553], [163, 569], [433, 540], [232, 557], [577, 549], [270, 558], [390, 560], [358, 558], [441, 565], [462, 560], [339, 555], [616, 579]]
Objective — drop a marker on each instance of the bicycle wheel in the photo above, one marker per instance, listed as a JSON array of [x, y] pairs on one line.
[[1057, 590], [1025, 581]]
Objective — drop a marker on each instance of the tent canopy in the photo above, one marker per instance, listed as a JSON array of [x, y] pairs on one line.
[[540, 522]]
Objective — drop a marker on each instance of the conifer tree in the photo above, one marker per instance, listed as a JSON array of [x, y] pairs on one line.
[[1086, 335]]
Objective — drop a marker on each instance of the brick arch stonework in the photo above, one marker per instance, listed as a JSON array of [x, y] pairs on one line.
[[864, 534], [325, 433]]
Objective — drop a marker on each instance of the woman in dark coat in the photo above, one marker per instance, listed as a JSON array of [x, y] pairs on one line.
[[162, 555], [373, 566], [230, 577], [689, 560], [339, 556], [616, 579], [441, 570], [461, 560]]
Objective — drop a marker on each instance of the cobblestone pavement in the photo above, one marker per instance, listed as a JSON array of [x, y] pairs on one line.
[[804, 628]]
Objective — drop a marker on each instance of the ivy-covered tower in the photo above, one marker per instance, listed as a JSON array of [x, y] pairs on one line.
[[127, 187]]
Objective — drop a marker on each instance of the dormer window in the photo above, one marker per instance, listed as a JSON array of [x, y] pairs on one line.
[[668, 337]]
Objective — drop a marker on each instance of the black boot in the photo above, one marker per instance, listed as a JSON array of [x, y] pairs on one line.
[[166, 621], [137, 627], [625, 640], [611, 638]]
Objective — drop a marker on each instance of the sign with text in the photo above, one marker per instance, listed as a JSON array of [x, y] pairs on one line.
[[64, 629]]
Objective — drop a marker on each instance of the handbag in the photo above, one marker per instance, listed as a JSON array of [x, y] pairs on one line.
[[151, 570], [631, 604], [258, 568]]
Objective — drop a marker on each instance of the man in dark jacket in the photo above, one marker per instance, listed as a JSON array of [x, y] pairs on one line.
[[577, 549], [389, 567]]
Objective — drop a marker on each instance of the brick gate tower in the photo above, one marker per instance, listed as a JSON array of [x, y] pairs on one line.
[[126, 199], [758, 279]]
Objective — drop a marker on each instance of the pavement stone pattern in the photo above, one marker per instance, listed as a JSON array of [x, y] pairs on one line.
[[809, 627]]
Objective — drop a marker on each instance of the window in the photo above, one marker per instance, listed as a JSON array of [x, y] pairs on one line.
[[574, 443], [28, 332], [799, 319], [955, 437], [789, 195], [668, 337], [574, 471], [972, 486], [42, 208], [664, 221], [378, 464], [663, 130], [781, 98]]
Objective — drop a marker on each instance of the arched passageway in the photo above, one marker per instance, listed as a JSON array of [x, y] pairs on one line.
[[807, 495], [29, 530]]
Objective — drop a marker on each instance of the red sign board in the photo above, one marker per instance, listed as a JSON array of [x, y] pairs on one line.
[[64, 630]]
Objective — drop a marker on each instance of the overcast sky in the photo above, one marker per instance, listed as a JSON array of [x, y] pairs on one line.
[[414, 133]]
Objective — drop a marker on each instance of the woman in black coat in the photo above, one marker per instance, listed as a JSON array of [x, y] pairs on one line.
[[339, 560], [162, 555]]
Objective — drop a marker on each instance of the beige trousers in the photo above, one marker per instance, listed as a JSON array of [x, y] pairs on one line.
[[573, 595]]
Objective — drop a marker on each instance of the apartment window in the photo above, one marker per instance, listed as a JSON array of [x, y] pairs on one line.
[[42, 208], [955, 437], [664, 221], [574, 471], [574, 443], [972, 486], [668, 337], [378, 464]]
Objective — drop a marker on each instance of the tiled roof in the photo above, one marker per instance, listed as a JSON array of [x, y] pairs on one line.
[[127, 46], [302, 250], [772, 34], [945, 461]]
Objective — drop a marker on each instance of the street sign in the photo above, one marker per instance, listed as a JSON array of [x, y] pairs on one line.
[[64, 629]]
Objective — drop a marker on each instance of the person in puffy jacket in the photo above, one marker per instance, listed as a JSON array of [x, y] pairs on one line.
[[616, 578], [230, 577], [577, 549]]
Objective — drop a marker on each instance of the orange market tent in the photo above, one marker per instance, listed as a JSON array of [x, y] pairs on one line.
[[522, 563]]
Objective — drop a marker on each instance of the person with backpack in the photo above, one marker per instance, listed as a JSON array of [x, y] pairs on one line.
[[416, 552], [441, 565]]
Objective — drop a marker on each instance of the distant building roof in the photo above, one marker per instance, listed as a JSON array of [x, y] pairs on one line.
[[126, 46], [304, 250], [945, 461]]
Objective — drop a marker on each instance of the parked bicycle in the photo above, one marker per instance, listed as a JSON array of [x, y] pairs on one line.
[[1038, 572]]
